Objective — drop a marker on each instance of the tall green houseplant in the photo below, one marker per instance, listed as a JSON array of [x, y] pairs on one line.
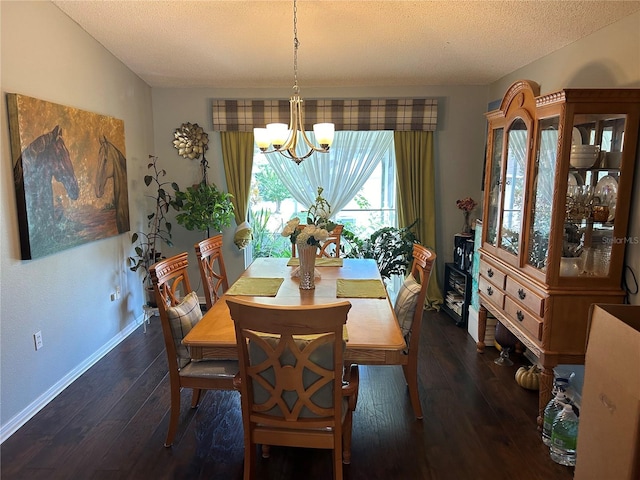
[[147, 243]]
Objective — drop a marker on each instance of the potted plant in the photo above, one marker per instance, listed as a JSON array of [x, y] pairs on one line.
[[203, 207], [391, 247], [147, 243]]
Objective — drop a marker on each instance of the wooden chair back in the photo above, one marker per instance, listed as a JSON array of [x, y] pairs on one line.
[[290, 380], [170, 283], [212, 269], [179, 311], [423, 260], [331, 246]]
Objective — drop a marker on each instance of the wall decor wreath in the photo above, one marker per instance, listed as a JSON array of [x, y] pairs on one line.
[[191, 141]]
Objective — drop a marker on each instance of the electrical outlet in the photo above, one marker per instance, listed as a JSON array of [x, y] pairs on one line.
[[117, 292], [37, 338]]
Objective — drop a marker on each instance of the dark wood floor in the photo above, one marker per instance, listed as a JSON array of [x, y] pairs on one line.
[[111, 423]]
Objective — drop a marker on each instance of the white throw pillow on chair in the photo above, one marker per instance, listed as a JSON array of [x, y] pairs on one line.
[[405, 305]]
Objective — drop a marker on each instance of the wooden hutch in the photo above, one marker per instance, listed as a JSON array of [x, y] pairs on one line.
[[558, 182]]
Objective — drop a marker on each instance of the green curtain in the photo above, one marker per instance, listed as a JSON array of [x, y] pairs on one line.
[[237, 156], [416, 195]]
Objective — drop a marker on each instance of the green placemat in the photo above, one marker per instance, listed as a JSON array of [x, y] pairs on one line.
[[320, 262], [360, 289], [256, 286]]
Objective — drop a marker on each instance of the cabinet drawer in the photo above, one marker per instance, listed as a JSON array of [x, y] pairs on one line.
[[490, 291], [522, 317], [525, 296], [493, 274]]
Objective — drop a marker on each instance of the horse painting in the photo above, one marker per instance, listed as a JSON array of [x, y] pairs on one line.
[[113, 164], [45, 158], [64, 193]]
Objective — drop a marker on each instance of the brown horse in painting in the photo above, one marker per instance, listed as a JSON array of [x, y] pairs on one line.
[[113, 164], [43, 160]]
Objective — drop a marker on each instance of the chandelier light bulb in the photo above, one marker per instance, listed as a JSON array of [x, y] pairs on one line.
[[324, 133]]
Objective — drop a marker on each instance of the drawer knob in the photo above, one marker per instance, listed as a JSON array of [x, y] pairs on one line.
[[522, 294], [490, 273], [490, 291], [520, 315]]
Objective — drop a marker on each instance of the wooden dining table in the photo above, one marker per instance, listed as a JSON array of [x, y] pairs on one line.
[[373, 334]]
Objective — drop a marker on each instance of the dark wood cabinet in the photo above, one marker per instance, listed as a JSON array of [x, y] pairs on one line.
[[457, 293]]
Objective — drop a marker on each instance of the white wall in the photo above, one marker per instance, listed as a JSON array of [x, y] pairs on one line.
[[459, 148], [65, 295], [609, 58]]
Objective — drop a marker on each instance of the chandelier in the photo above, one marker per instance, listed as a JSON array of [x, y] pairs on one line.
[[285, 138]]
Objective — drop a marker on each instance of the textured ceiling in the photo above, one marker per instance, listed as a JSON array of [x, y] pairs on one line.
[[233, 43]]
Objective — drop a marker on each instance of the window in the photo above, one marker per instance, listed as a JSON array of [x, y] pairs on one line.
[[365, 160]]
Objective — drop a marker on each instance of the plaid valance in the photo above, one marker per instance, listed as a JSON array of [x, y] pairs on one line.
[[378, 114]]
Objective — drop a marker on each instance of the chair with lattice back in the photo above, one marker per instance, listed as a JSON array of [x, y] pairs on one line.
[[212, 269], [409, 309], [179, 311], [330, 247], [291, 378]]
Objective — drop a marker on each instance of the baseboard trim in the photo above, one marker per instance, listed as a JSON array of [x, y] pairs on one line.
[[39, 403]]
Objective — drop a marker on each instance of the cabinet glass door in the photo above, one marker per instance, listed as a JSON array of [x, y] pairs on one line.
[[513, 192], [591, 201], [493, 207], [542, 198]]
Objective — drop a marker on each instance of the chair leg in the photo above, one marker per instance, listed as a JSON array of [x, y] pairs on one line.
[[337, 462], [346, 438], [411, 376], [195, 399], [174, 415], [249, 459]]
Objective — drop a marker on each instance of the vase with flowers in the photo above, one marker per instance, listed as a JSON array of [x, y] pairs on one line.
[[308, 238], [467, 205]]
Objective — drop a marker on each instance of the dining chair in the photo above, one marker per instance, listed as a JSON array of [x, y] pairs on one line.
[[212, 269], [326, 250], [292, 388], [178, 316], [409, 309]]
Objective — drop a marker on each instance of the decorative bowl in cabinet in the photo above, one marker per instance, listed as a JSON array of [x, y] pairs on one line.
[[584, 156]]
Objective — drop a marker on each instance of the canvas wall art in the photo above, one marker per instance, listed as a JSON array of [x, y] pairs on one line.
[[70, 175]]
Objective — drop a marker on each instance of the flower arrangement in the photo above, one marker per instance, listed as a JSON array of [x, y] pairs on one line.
[[318, 224], [466, 204]]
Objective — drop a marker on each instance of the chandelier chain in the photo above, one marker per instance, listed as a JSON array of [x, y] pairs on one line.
[[296, 44], [286, 138]]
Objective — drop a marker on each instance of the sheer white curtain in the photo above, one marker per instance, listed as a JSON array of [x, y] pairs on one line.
[[341, 172]]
